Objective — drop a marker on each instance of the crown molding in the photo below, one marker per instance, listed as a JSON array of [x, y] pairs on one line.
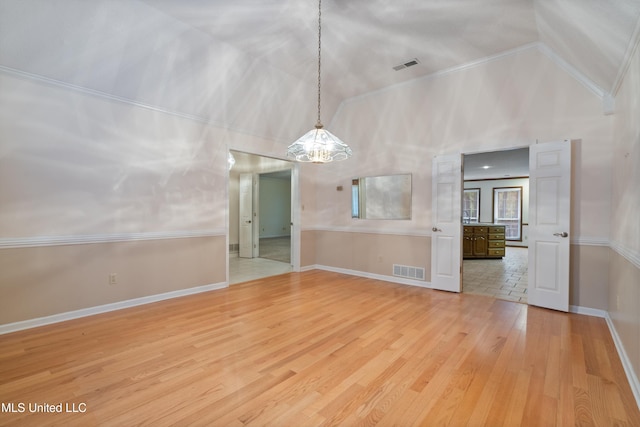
[[128, 101], [571, 70], [634, 42], [444, 72]]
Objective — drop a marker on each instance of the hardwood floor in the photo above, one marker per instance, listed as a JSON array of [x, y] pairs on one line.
[[319, 348]]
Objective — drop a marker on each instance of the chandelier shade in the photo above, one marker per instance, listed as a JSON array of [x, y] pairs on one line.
[[319, 145]]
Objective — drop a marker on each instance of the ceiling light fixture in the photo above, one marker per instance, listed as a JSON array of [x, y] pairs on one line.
[[319, 145]]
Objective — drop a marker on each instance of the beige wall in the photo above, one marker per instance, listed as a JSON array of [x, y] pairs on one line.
[[47, 280], [624, 306], [624, 271], [308, 254], [372, 252], [589, 276]]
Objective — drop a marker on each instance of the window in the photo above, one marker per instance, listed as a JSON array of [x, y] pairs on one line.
[[355, 203], [507, 210], [471, 205]]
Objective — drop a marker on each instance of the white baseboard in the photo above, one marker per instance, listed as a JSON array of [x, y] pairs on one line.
[[382, 277], [626, 363], [624, 358], [588, 311], [76, 314]]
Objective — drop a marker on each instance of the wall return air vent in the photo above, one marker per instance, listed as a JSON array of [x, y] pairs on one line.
[[408, 272], [407, 64]]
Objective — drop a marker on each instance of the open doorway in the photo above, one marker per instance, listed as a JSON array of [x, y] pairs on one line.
[[274, 219], [495, 215], [260, 199]]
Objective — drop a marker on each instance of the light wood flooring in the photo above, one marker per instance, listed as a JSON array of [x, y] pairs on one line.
[[318, 349]]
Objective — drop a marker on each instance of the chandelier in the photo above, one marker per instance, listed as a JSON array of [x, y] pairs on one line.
[[319, 145]]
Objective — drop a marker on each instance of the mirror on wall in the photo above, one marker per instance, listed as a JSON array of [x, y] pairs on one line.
[[381, 197]]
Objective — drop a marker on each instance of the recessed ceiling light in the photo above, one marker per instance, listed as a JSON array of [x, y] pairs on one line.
[[486, 167]]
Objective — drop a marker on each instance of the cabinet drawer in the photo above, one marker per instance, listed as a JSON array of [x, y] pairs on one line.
[[493, 244], [468, 230], [496, 251], [480, 230], [495, 236], [496, 229]]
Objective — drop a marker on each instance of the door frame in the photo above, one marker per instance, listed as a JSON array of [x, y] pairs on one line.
[[295, 209], [489, 150]]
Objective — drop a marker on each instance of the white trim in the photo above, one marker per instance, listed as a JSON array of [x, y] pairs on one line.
[[582, 241], [85, 312], [35, 241], [573, 71], [372, 230], [634, 42], [541, 47], [624, 359], [100, 94], [590, 241], [393, 279], [587, 311], [627, 253], [444, 72], [104, 95]]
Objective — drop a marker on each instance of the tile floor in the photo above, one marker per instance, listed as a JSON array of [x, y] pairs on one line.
[[504, 278], [245, 269]]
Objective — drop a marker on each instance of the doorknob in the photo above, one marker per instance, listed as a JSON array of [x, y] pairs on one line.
[[563, 234], [435, 229]]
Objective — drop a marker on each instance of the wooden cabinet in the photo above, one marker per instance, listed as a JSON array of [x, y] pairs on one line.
[[483, 241]]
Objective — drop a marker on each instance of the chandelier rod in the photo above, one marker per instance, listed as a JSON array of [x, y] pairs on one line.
[[319, 124]]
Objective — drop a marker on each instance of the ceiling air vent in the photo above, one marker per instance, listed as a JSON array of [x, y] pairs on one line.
[[407, 64]]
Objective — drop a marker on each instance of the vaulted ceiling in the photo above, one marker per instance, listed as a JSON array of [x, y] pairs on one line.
[[363, 40], [233, 62]]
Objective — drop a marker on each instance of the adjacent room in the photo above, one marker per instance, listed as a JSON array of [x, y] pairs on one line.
[[495, 215], [288, 213]]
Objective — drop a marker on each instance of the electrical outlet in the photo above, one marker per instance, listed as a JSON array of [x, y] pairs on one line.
[[113, 278]]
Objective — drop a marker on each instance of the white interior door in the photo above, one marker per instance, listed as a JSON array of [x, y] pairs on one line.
[[446, 254], [549, 224], [246, 216]]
